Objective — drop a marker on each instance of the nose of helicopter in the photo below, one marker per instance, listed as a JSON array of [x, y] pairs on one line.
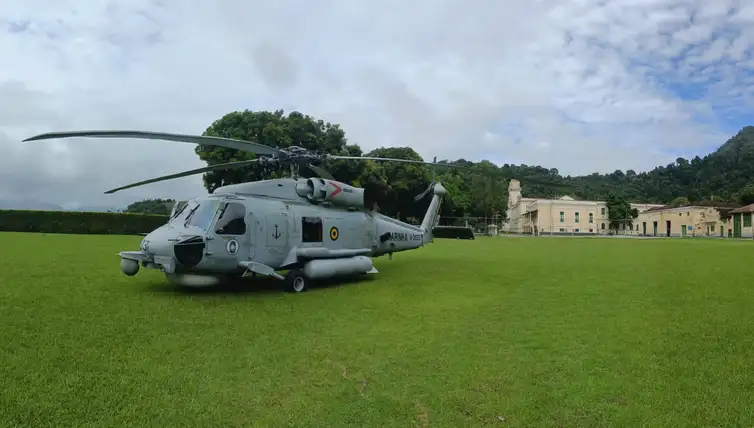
[[185, 245]]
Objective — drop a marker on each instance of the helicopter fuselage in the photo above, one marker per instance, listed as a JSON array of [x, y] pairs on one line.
[[313, 227], [318, 226]]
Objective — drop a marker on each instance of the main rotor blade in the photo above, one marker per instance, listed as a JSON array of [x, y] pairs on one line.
[[229, 143], [374, 158], [218, 167], [321, 172]]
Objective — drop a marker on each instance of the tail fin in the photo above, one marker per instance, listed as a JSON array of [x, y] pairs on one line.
[[430, 218]]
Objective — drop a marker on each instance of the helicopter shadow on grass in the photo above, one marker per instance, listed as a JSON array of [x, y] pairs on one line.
[[259, 285]]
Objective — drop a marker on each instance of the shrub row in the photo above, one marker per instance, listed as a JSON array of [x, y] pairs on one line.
[[453, 232], [79, 222]]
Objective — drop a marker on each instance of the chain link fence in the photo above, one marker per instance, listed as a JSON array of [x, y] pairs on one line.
[[496, 226]]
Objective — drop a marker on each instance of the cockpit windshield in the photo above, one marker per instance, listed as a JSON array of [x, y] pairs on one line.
[[179, 210], [202, 213], [180, 213]]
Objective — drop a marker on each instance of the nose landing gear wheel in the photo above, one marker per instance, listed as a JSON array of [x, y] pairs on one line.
[[296, 281]]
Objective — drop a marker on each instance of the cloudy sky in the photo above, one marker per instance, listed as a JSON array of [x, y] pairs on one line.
[[581, 85]]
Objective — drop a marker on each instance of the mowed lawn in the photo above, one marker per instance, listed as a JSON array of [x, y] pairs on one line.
[[514, 332]]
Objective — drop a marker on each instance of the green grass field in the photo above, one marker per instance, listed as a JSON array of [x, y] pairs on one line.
[[514, 332]]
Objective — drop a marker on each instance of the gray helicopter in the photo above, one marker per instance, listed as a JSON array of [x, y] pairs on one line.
[[314, 228]]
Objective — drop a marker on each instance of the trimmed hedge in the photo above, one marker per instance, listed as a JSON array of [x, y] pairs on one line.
[[453, 232], [79, 223], [100, 223]]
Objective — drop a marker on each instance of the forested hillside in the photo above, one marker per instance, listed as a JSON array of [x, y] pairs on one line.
[[151, 206], [480, 191], [719, 176]]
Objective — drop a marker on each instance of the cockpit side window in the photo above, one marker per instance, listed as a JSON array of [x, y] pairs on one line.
[[232, 220], [311, 229]]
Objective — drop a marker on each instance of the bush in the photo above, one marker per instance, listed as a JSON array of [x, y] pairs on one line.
[[74, 222]]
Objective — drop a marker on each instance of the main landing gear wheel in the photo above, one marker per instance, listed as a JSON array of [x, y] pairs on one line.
[[296, 281]]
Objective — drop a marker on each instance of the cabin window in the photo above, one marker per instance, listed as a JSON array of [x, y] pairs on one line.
[[311, 229], [232, 220]]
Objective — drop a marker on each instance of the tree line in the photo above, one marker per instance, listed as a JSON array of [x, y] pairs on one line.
[[481, 190]]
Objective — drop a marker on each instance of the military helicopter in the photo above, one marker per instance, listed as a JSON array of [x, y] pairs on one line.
[[314, 228]]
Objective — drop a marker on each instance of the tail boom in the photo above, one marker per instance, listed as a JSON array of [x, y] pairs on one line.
[[433, 213], [395, 236]]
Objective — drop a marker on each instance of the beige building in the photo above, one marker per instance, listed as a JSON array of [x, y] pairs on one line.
[[684, 221], [569, 216], [739, 223], [565, 215]]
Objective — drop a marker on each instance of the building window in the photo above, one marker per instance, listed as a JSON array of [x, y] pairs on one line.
[[562, 230], [231, 221], [603, 212], [591, 217], [712, 227], [603, 226], [576, 230], [311, 229], [688, 214], [747, 219], [631, 227], [577, 217], [591, 230], [562, 216], [679, 214]]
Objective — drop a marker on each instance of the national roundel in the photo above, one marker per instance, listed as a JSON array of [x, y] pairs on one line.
[[334, 233]]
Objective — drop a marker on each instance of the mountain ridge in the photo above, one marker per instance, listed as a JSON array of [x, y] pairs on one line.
[[720, 175]]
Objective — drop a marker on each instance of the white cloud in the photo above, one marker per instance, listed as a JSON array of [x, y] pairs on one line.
[[581, 86]]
